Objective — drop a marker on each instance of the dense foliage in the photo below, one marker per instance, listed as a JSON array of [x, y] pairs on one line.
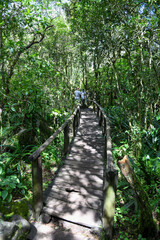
[[119, 45], [112, 49], [36, 95]]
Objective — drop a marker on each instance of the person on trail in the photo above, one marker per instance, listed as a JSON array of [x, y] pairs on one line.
[[83, 97], [77, 94]]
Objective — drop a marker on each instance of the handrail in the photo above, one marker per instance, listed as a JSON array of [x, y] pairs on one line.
[[34, 155], [36, 160], [111, 175]]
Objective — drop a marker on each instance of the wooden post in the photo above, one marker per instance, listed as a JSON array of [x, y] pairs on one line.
[[105, 139], [37, 186], [79, 113], [56, 121], [66, 139], [97, 111], [111, 178], [76, 120], [78, 116], [109, 144], [105, 147], [74, 126], [104, 126], [100, 118], [110, 186], [94, 109]]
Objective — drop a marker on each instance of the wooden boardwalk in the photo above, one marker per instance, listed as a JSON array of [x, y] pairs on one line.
[[76, 193]]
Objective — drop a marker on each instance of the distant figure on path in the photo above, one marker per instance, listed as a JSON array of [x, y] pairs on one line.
[[83, 97], [77, 94]]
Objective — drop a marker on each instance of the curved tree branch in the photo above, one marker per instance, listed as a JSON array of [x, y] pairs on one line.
[[22, 50]]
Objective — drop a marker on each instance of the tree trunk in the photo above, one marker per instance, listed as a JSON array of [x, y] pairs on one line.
[[147, 226], [1, 52]]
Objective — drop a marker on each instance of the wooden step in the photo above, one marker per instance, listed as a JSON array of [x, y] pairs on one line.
[[73, 212]]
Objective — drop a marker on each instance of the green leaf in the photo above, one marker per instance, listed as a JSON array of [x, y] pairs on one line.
[[158, 117], [9, 197], [4, 194], [12, 185], [13, 109], [23, 192]]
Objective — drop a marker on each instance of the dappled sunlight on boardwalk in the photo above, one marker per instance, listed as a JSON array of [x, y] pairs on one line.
[[76, 192]]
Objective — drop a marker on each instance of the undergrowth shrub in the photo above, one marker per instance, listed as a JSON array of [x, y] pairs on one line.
[[142, 147]]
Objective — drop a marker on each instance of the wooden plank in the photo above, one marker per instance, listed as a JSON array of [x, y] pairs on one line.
[[85, 163], [88, 141], [72, 197], [74, 213], [83, 158], [89, 165], [84, 132], [65, 185], [58, 192], [86, 150], [83, 183], [79, 166], [67, 169], [83, 177], [90, 136]]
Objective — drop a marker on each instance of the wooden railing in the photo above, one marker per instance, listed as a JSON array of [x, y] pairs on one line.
[[36, 159], [111, 174]]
